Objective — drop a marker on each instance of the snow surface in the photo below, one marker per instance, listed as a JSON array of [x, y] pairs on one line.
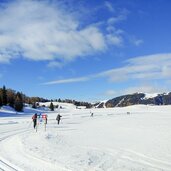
[[134, 138], [150, 95], [63, 105], [102, 102]]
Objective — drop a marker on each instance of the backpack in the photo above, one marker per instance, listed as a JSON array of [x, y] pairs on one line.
[[34, 117]]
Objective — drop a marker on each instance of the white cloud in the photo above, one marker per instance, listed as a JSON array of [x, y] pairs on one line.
[[4, 58], [40, 30], [55, 64], [71, 80], [143, 89], [114, 39], [160, 59], [44, 30], [114, 20], [109, 6], [115, 36], [135, 41], [143, 68], [150, 67], [166, 71], [120, 16], [138, 42]]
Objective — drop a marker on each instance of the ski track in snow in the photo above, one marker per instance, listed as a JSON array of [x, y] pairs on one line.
[[5, 165], [81, 157]]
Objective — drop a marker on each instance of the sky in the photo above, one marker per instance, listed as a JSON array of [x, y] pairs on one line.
[[85, 50]]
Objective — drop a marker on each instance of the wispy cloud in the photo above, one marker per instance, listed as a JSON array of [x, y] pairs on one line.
[[122, 15], [137, 42], [115, 36], [143, 68], [141, 88], [144, 89], [109, 6], [55, 64], [64, 81], [150, 67], [114, 39]]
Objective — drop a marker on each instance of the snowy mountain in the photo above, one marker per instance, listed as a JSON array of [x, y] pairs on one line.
[[137, 98]]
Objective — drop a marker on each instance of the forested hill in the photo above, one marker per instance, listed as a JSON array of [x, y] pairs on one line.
[[17, 99], [137, 98]]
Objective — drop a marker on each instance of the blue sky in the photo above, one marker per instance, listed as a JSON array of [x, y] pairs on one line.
[[85, 50]]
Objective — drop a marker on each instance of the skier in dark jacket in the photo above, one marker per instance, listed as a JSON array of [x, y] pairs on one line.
[[58, 118], [34, 118]]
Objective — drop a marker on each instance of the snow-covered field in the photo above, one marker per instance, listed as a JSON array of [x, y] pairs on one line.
[[111, 140]]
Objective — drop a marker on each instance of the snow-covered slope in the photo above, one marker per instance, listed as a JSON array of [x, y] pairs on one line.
[[150, 95], [60, 104], [134, 138]]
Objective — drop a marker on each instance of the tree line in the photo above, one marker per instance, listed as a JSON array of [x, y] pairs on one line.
[[17, 99], [11, 98], [76, 103]]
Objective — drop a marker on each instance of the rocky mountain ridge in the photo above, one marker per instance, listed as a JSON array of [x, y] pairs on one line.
[[137, 98]]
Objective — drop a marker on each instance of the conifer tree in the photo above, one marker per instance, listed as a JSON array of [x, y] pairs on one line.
[[0, 101], [11, 97], [18, 106], [4, 96], [0, 97], [51, 106], [34, 105]]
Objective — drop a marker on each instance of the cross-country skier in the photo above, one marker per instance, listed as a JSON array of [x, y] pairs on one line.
[[58, 118], [34, 118], [91, 113]]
